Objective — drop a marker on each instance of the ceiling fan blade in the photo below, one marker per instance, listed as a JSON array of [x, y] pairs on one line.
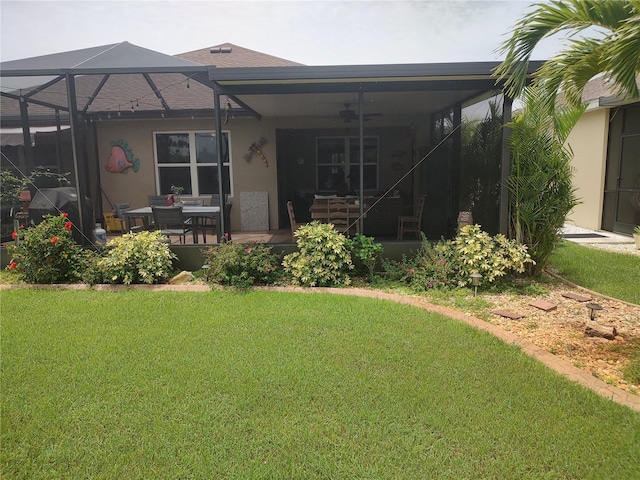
[[349, 115]]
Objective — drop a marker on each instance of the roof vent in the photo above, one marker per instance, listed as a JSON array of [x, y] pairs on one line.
[[220, 50]]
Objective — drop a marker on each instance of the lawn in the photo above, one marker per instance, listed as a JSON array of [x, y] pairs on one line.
[[274, 385], [609, 273]]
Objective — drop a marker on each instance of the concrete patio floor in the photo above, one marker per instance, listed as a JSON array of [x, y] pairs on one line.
[[600, 239]]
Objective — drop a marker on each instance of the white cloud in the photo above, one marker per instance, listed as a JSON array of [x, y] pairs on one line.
[[310, 32]]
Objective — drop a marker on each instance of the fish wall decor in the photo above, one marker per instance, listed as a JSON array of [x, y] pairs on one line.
[[121, 158]]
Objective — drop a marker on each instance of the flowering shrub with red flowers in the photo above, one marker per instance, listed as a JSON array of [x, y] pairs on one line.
[[46, 253], [243, 264]]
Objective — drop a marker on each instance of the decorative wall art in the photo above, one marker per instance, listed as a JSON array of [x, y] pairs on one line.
[[255, 149], [121, 158]]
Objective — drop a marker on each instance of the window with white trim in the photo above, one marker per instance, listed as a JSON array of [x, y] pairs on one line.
[[338, 162], [188, 159]]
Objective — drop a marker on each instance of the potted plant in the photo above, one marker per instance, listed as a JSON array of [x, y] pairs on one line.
[[176, 191], [636, 236]]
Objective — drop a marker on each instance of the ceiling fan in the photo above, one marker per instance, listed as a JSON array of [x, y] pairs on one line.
[[349, 115]]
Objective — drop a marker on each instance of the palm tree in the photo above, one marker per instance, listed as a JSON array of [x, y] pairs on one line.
[[616, 54], [540, 189]]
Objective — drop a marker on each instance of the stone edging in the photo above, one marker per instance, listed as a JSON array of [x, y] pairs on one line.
[[559, 365]]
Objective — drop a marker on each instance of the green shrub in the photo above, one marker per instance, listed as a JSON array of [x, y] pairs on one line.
[[448, 264], [432, 269], [426, 270], [398, 271], [134, 258], [243, 265], [475, 251], [323, 258], [46, 253], [541, 193], [365, 250]]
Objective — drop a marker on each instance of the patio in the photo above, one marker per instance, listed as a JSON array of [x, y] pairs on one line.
[[282, 236], [279, 132]]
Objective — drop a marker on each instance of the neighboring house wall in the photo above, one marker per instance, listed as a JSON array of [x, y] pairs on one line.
[[588, 141]]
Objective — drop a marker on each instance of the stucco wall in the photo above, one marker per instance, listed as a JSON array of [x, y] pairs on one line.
[[247, 176], [588, 141]]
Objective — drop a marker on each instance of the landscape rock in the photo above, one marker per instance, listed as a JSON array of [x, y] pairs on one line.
[[181, 278]]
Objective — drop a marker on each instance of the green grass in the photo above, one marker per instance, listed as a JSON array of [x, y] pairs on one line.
[[609, 273], [273, 385]]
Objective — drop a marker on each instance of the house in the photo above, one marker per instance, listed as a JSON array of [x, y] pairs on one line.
[[606, 161], [142, 122]]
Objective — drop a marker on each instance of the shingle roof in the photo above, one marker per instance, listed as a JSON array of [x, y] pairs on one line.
[[600, 88], [237, 57]]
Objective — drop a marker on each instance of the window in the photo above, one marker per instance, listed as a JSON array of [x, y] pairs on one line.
[[338, 162], [189, 160]]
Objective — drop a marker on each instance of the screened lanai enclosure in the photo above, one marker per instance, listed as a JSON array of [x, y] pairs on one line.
[[381, 136]]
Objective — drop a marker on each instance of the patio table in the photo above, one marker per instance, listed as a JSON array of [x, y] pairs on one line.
[[194, 212], [343, 213]]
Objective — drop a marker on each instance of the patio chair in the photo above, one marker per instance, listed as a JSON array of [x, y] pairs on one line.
[[189, 221], [121, 208], [211, 223], [292, 219], [160, 200], [170, 221], [411, 224]]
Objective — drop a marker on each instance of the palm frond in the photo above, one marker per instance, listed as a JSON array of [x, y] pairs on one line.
[[617, 53], [623, 57]]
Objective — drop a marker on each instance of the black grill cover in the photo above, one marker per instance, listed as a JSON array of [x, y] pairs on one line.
[[53, 201]]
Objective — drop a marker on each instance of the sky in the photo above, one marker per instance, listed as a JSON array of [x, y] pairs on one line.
[[311, 32]]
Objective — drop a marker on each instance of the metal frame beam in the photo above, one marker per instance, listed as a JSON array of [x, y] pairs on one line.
[[155, 90], [95, 93]]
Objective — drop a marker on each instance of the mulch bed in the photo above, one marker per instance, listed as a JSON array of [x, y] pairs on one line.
[[561, 330]]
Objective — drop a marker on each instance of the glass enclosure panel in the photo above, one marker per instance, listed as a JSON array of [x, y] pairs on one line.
[[331, 151], [628, 208], [370, 150], [44, 152], [172, 147], [630, 162], [178, 176], [206, 148], [370, 177], [329, 177], [632, 120], [481, 156], [448, 123], [208, 180], [437, 129]]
